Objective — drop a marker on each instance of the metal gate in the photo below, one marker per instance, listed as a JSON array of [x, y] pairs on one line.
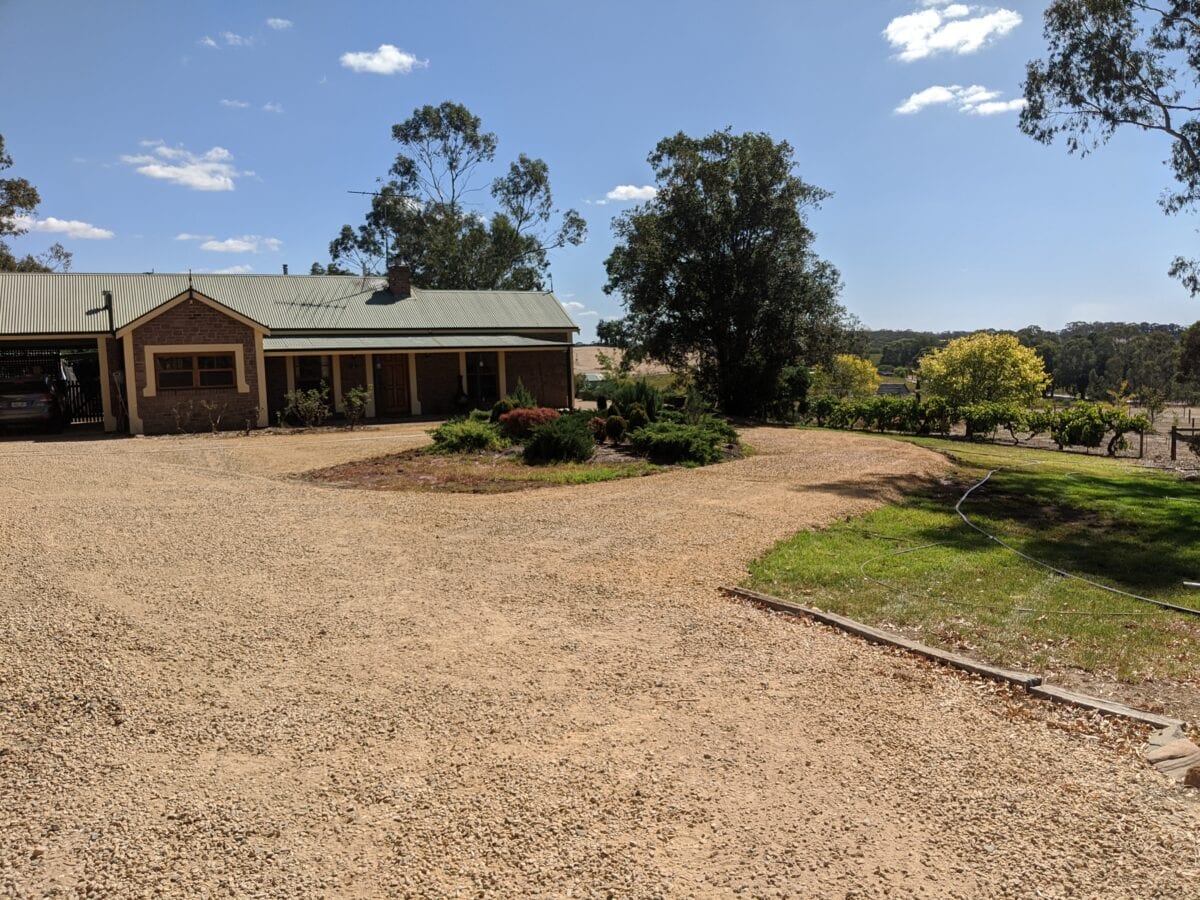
[[77, 372]]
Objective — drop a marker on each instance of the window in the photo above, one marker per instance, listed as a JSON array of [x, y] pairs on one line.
[[180, 371]]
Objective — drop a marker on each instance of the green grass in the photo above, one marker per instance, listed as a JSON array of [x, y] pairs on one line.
[[580, 473], [1111, 522]]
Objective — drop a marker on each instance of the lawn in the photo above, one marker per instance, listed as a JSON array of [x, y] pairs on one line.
[[916, 567], [477, 473]]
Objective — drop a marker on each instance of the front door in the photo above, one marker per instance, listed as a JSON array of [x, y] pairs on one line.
[[392, 385]]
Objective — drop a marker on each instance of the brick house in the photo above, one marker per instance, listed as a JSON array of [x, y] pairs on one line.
[[166, 346]]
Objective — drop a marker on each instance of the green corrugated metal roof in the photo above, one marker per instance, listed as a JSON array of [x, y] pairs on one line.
[[72, 303], [299, 344]]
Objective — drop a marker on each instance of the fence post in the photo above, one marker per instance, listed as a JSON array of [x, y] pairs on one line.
[[1174, 437]]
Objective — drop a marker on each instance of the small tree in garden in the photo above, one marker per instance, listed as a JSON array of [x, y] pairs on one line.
[[310, 408], [614, 427], [521, 397], [847, 376], [354, 403], [983, 368]]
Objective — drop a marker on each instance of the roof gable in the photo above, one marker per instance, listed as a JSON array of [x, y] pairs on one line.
[[190, 294]]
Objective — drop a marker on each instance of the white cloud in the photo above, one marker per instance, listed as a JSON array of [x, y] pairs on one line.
[[247, 243], [70, 227], [996, 107], [928, 97], [273, 107], [233, 39], [974, 100], [624, 193], [209, 171], [241, 269], [577, 309], [948, 28], [279, 24], [235, 104], [185, 236], [206, 41], [387, 60]]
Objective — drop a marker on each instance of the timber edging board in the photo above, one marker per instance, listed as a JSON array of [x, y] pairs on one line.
[[1031, 683]]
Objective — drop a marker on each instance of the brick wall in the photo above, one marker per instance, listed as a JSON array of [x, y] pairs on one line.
[[194, 322], [544, 372], [438, 383]]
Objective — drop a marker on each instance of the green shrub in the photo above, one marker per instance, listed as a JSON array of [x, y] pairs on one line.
[[670, 443], [614, 427], [564, 439], [310, 408], [467, 436], [718, 426], [1078, 426], [936, 416], [987, 417], [519, 423], [521, 397], [597, 425], [624, 393], [821, 409], [500, 407], [479, 415], [354, 403], [1120, 423], [637, 417]]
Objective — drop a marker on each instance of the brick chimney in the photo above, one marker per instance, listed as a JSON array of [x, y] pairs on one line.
[[400, 281]]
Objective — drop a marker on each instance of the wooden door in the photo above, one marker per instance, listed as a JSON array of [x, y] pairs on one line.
[[392, 385]]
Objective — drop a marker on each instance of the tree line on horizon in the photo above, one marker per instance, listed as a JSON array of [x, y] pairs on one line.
[[1089, 360]]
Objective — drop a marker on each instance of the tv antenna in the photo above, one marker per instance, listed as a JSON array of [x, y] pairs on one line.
[[385, 230]]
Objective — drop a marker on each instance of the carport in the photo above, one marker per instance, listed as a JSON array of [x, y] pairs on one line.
[[79, 361]]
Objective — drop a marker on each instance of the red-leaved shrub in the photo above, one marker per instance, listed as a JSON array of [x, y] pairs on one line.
[[519, 423]]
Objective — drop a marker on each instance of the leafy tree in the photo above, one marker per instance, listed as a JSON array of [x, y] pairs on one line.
[[1153, 362], [1113, 63], [19, 198], [983, 368], [1076, 361], [847, 376], [717, 271], [426, 215], [1189, 354]]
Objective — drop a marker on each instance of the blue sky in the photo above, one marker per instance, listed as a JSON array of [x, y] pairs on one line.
[[243, 125]]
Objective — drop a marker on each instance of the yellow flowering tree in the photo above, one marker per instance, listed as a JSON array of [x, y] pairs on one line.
[[983, 368], [847, 376]]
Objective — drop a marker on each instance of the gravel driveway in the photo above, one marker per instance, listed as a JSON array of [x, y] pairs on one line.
[[216, 681]]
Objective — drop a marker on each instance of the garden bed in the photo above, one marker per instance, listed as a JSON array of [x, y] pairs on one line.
[[485, 472]]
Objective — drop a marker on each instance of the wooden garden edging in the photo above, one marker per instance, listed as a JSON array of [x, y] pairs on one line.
[[1170, 731]]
